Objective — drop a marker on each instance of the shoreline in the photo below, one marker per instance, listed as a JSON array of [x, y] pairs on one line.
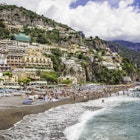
[[13, 114]]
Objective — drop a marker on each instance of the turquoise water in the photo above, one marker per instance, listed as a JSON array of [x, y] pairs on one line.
[[121, 122], [119, 119]]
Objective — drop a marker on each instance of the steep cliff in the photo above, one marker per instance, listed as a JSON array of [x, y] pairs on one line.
[[88, 59]]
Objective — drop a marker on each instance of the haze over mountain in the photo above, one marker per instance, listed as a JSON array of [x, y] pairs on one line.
[[130, 45]]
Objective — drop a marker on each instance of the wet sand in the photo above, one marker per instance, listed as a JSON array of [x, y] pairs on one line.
[[12, 110]]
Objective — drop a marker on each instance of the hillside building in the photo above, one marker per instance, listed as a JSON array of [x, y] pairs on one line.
[[35, 59], [4, 66], [21, 40], [68, 77], [15, 55]]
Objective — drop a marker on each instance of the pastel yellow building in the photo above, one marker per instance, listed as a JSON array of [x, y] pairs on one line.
[[36, 62], [35, 59]]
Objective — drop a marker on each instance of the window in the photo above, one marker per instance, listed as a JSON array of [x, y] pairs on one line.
[[27, 59]]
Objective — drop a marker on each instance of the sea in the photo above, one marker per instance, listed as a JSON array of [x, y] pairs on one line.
[[112, 118]]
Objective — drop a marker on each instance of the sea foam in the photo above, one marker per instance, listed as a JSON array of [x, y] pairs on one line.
[[73, 132], [66, 121]]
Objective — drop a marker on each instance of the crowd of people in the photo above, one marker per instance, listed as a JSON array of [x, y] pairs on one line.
[[86, 92]]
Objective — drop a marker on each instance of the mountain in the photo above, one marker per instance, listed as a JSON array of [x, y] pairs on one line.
[[125, 52], [130, 45], [71, 53], [42, 30], [14, 15]]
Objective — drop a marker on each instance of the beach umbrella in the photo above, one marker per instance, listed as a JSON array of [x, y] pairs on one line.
[[58, 92]]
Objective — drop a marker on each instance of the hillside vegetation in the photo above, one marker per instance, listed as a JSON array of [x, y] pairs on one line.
[[88, 53], [125, 52]]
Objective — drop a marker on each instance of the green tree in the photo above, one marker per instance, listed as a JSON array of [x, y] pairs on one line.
[[24, 82], [57, 52], [41, 39], [56, 59], [2, 25], [9, 74], [67, 81], [129, 68], [51, 77], [103, 75], [4, 32]]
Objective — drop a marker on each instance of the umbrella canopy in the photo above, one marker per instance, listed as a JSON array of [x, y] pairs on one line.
[[58, 92]]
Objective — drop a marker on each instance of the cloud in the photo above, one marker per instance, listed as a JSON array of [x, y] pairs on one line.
[[29, 4], [95, 18], [98, 18]]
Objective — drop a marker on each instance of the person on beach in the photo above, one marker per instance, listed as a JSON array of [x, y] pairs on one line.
[[109, 91], [123, 92], [85, 97], [105, 91], [46, 98], [73, 95]]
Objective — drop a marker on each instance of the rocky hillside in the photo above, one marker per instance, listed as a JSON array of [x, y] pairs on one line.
[[125, 52], [14, 15], [41, 29], [71, 52]]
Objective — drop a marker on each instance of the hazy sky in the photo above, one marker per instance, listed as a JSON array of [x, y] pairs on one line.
[[108, 19]]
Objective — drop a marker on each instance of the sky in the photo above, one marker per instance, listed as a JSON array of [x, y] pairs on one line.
[[108, 19]]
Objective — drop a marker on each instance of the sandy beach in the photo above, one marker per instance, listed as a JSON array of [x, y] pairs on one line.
[[12, 110]]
